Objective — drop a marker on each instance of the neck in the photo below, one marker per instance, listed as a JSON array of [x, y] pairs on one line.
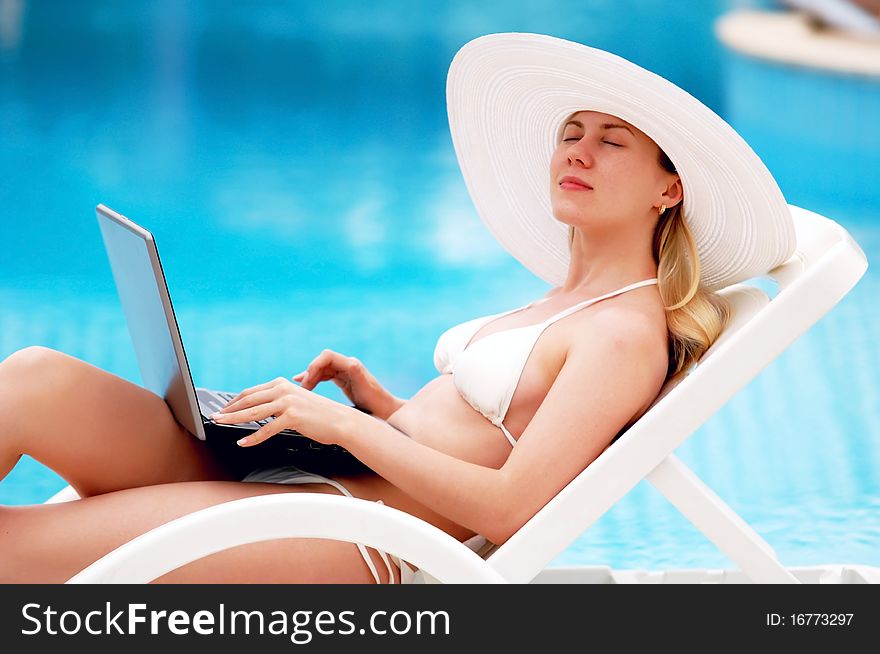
[[604, 260]]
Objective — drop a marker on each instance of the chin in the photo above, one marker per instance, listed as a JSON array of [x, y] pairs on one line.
[[568, 215]]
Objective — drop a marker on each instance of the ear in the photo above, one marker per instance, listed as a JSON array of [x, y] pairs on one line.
[[674, 193]]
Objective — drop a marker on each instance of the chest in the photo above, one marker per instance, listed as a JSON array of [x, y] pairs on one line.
[[524, 318], [531, 350]]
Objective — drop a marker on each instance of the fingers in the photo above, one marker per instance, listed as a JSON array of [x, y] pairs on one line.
[[255, 389], [252, 399], [264, 433], [307, 379], [354, 366], [328, 365], [315, 372], [251, 414], [256, 403]]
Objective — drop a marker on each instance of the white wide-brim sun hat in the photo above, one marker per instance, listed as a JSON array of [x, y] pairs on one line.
[[507, 97]]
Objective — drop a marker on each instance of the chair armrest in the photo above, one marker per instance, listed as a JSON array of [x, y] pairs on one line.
[[299, 515], [66, 494]]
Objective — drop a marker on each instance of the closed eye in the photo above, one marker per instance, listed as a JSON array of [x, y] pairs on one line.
[[578, 138]]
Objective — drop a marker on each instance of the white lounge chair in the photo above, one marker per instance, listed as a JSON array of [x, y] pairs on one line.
[[825, 266]]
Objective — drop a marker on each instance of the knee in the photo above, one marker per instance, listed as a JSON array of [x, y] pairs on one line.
[[30, 359], [31, 370]]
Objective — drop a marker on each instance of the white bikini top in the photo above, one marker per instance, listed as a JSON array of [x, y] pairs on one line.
[[486, 373]]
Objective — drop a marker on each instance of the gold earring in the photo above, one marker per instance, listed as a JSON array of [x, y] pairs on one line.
[[662, 209]]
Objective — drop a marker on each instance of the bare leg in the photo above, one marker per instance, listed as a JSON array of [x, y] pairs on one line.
[[49, 543], [120, 448], [98, 431]]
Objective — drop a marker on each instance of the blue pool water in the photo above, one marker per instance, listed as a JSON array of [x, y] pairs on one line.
[[296, 169]]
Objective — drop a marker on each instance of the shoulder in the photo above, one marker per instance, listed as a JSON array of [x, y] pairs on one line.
[[613, 368], [629, 338], [639, 324]]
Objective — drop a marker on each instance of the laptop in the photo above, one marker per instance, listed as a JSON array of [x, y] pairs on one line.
[[143, 292]]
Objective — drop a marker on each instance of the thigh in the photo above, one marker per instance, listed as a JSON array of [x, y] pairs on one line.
[[36, 544], [98, 431]]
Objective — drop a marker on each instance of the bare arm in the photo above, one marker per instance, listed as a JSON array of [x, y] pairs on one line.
[[456, 489], [575, 422]]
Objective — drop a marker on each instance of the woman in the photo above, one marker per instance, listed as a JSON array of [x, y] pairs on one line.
[[526, 399]]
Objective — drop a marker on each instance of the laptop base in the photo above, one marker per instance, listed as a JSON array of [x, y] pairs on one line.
[[283, 449]]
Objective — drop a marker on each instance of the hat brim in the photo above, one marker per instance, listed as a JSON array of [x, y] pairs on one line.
[[507, 95]]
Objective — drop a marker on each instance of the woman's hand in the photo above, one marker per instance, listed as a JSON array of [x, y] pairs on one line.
[[349, 374], [312, 415]]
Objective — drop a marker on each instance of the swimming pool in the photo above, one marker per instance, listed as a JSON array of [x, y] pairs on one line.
[[297, 172]]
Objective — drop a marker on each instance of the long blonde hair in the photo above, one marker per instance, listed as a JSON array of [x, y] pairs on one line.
[[695, 316]]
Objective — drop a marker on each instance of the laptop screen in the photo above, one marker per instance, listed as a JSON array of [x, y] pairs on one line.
[[140, 282]]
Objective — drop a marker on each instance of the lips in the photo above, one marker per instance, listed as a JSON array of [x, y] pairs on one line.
[[572, 183]]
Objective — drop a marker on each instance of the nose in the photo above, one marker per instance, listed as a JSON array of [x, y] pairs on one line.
[[579, 153]]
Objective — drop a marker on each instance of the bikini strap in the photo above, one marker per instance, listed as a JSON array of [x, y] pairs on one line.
[[580, 305]]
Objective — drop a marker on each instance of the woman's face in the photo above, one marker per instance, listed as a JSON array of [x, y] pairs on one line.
[[605, 171]]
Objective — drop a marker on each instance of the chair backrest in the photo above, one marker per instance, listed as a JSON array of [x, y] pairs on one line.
[[827, 263]]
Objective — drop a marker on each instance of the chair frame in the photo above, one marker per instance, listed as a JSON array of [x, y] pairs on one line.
[[826, 265]]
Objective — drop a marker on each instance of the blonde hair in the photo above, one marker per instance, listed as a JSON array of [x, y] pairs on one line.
[[695, 316]]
